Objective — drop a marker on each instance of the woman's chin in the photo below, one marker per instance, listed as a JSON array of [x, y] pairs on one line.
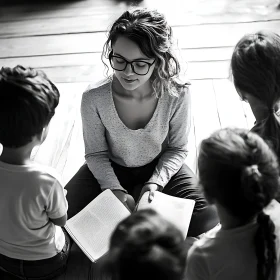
[[129, 85]]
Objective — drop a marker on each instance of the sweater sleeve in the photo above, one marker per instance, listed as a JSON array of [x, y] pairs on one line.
[[174, 156], [96, 150], [197, 268]]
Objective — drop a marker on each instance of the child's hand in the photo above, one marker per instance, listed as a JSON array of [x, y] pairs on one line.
[[150, 187]]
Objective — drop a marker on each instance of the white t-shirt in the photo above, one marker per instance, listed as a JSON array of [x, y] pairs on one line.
[[230, 254], [29, 196]]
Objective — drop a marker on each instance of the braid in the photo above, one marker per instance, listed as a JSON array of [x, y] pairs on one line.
[[260, 197], [265, 247]]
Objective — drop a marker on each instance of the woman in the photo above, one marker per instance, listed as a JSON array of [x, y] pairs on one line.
[[136, 122]]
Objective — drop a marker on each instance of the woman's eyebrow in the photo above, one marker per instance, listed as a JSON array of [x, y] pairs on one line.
[[141, 58]]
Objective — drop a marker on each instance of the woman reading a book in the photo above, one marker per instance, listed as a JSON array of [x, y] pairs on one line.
[[136, 122]]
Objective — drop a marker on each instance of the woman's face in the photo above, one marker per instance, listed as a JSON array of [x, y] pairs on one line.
[[127, 49]]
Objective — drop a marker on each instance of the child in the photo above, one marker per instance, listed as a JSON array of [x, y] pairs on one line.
[[255, 65], [33, 207], [146, 246], [136, 122], [239, 174]]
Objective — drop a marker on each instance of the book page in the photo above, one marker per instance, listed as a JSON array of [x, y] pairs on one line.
[[92, 227], [174, 209]]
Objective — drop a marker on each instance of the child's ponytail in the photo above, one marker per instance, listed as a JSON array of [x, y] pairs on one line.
[[265, 247], [254, 190]]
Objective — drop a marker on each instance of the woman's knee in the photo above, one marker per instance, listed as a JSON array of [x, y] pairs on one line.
[[81, 190], [203, 220]]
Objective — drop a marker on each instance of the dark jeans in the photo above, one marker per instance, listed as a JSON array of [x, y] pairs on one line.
[[83, 188], [37, 270]]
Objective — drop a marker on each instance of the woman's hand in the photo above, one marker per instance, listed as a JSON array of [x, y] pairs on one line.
[[149, 187], [125, 198]]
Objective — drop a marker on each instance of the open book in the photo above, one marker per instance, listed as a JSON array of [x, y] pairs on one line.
[[92, 227]]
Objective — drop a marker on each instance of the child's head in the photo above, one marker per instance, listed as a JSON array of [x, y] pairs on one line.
[[255, 66], [148, 32], [28, 102], [240, 172], [146, 246]]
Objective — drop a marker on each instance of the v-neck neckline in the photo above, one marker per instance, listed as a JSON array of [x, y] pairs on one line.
[[119, 119]]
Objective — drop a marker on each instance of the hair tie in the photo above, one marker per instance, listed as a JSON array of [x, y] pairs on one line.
[[255, 170]]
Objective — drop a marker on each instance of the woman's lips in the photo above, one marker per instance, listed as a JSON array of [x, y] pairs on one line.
[[129, 81]]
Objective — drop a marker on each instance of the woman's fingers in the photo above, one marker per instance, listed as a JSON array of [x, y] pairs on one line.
[[151, 195]]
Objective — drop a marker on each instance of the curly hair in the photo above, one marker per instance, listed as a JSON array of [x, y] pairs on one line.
[[240, 171], [150, 31], [28, 102], [148, 246], [255, 66]]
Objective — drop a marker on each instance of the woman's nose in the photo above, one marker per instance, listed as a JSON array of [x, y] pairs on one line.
[[128, 70]]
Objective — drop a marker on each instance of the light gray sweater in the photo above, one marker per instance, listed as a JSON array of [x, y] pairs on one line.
[[106, 136]]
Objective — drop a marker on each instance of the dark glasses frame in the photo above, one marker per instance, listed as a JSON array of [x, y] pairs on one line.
[[130, 62]]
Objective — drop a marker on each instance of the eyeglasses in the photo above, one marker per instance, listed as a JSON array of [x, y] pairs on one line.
[[139, 67]]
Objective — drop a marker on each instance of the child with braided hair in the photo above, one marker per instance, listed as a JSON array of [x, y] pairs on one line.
[[239, 174]]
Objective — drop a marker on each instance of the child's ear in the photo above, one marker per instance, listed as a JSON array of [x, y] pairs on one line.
[[43, 134], [209, 198]]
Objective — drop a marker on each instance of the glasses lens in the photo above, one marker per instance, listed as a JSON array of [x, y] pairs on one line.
[[117, 63], [140, 67]]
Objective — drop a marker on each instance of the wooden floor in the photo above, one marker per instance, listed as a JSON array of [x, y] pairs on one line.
[[65, 39]]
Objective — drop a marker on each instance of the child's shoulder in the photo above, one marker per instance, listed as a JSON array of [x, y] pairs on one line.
[[45, 174], [207, 240]]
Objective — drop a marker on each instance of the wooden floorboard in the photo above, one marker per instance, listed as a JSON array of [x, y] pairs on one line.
[[96, 23], [204, 108], [91, 58], [187, 36], [182, 12], [74, 153], [229, 105], [250, 118], [191, 159], [52, 151]]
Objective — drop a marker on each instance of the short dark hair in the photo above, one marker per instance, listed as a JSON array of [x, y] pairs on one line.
[[146, 246], [27, 103], [238, 170]]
